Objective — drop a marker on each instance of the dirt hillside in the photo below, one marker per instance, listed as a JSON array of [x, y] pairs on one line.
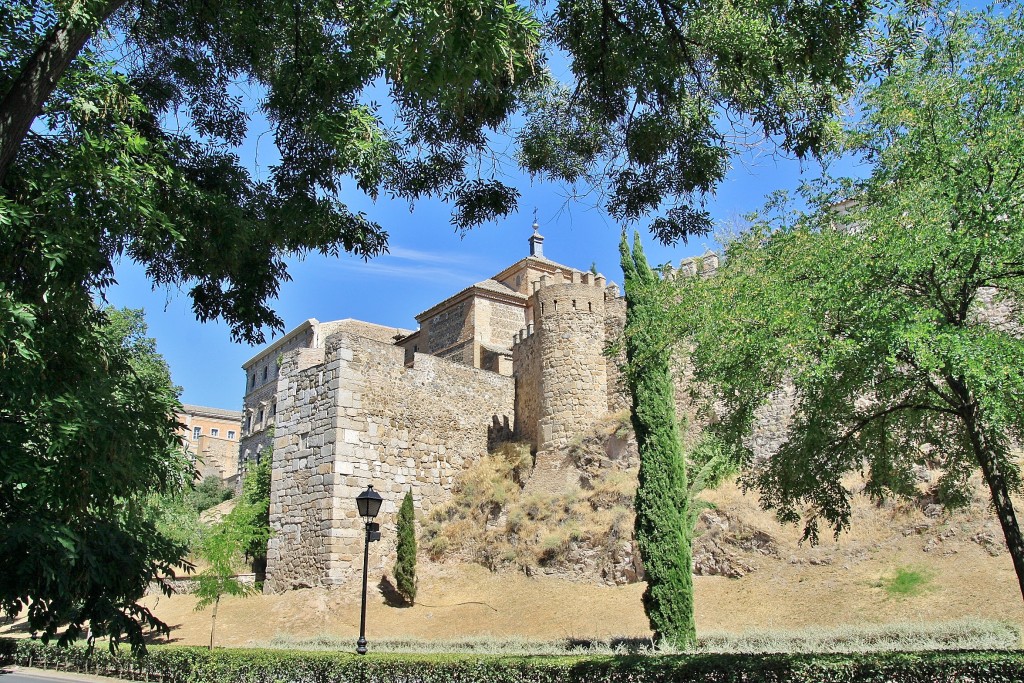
[[966, 573]]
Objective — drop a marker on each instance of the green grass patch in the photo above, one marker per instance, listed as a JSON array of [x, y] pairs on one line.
[[906, 582]]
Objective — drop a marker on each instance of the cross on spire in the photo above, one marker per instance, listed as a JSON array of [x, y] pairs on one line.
[[536, 241]]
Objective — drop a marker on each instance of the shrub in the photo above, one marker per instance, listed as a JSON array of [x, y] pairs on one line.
[[179, 664], [209, 492], [405, 563]]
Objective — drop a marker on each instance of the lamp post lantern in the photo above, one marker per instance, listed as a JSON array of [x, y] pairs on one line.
[[368, 503]]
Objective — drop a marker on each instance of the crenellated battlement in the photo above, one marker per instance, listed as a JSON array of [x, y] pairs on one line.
[[704, 266]]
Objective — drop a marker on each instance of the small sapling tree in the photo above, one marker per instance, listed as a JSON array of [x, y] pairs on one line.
[[405, 564], [222, 547]]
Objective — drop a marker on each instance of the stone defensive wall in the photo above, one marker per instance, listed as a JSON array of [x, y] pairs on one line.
[[351, 414]]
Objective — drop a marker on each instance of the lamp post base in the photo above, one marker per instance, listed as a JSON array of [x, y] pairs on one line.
[[361, 646]]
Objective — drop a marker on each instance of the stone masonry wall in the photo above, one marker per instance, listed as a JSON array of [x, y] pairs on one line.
[[371, 420], [526, 370], [302, 483], [449, 327], [262, 396], [614, 324], [570, 326], [497, 323]]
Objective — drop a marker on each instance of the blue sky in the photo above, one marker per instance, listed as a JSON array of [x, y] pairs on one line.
[[429, 261]]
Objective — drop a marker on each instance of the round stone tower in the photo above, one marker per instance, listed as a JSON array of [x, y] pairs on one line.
[[569, 324]]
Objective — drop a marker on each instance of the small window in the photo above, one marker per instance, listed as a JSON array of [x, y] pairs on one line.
[[260, 418], [231, 434], [273, 409], [196, 432], [264, 373], [248, 421], [214, 432]]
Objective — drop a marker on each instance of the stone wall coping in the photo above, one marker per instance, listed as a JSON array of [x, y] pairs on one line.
[[204, 411], [308, 324]]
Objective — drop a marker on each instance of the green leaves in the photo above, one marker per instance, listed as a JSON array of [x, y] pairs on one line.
[[653, 78], [87, 429], [891, 314], [664, 499]]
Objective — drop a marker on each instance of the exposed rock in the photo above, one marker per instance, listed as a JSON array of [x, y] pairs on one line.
[[625, 567], [711, 553], [992, 545], [711, 559]]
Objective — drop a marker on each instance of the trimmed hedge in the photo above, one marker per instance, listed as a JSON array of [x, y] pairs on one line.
[[169, 664]]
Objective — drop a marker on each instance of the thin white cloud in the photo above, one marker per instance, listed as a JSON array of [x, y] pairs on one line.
[[460, 269], [420, 256]]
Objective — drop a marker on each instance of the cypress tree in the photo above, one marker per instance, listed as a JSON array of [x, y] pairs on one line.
[[664, 520], [405, 564]]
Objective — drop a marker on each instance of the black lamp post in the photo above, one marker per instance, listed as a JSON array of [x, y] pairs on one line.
[[368, 502]]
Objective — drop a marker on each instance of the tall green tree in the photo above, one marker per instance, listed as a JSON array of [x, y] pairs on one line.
[[87, 432], [664, 513], [405, 560], [896, 315]]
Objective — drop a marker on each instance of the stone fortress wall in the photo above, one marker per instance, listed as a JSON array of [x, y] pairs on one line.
[[559, 364], [262, 372], [351, 414], [358, 411]]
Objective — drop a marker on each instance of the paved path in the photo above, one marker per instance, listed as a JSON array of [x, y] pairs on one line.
[[20, 674]]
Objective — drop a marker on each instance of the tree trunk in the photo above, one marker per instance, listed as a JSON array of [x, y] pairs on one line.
[[213, 620], [987, 457], [39, 76]]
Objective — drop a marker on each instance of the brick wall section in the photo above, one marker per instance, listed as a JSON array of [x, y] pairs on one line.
[[497, 323], [217, 457], [614, 324], [449, 327], [302, 483], [366, 418], [263, 396]]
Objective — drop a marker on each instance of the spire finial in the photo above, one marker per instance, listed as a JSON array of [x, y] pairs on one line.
[[536, 241]]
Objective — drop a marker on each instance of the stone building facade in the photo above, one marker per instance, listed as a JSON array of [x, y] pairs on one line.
[[259, 405], [352, 413], [519, 356]]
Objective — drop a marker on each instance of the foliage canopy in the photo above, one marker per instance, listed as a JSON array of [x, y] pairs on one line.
[[895, 314], [87, 430]]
